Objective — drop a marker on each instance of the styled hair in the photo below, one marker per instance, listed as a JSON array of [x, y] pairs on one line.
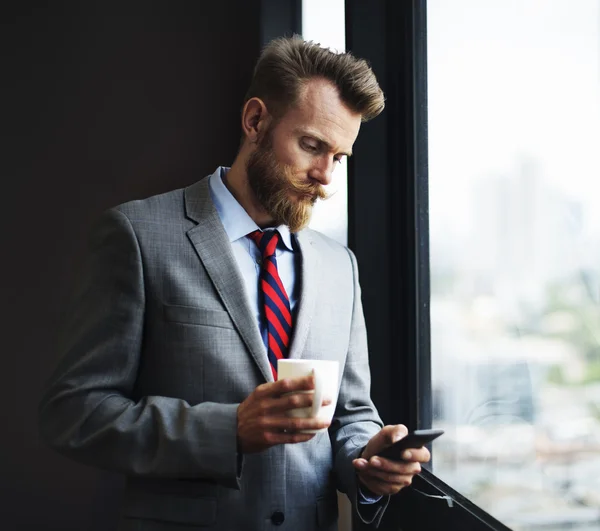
[[286, 64]]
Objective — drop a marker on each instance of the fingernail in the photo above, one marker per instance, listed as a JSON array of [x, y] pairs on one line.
[[360, 463], [407, 454], [375, 461]]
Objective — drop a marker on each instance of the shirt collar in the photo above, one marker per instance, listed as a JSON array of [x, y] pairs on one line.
[[235, 219]]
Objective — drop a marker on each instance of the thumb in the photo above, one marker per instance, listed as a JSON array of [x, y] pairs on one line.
[[396, 432], [391, 434], [387, 436]]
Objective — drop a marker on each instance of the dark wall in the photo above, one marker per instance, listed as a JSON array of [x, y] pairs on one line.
[[101, 103]]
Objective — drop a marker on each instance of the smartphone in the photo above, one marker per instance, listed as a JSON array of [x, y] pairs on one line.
[[415, 439]]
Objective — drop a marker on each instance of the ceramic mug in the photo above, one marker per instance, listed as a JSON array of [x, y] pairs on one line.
[[326, 386]]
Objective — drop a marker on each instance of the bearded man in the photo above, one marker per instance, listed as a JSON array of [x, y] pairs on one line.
[[169, 363]]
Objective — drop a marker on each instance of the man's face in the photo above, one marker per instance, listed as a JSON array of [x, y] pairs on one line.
[[294, 159]]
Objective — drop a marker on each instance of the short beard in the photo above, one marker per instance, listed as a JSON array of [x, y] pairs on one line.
[[286, 199]]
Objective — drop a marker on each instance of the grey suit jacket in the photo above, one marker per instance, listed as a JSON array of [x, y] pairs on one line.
[[160, 347]]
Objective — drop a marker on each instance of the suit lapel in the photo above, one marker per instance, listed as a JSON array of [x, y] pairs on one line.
[[309, 278], [214, 249]]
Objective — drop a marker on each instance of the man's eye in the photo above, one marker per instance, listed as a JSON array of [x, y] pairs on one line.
[[309, 147], [337, 159]]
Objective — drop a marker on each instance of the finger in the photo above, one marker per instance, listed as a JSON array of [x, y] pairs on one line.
[[395, 432], [293, 401], [382, 475], [360, 464], [406, 471], [421, 455], [394, 467], [290, 385], [282, 423], [387, 436], [285, 385], [267, 389]]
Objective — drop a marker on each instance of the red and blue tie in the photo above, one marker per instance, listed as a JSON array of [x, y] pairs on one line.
[[275, 300]]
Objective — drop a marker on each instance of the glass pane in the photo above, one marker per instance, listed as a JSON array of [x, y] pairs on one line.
[[323, 21], [514, 153]]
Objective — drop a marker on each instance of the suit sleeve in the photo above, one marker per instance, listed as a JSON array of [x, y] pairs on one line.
[[356, 419], [87, 412]]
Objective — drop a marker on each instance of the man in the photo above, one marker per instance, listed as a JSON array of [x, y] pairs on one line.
[[170, 352]]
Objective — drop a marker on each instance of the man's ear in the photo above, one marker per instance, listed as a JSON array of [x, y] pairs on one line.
[[255, 119]]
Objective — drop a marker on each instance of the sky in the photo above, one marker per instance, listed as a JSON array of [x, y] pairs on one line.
[[513, 78]]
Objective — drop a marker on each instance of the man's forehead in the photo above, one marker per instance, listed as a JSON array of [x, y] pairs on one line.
[[318, 95], [321, 113]]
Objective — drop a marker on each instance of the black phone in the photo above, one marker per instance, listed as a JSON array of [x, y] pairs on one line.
[[415, 439]]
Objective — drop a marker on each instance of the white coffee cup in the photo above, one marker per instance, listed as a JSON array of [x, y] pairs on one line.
[[326, 386]]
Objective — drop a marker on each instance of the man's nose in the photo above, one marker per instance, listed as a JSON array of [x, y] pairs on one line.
[[322, 170]]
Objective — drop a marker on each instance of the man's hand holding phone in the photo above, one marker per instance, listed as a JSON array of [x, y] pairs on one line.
[[388, 475]]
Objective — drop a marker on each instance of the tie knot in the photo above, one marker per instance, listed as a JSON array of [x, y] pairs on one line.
[[266, 241]]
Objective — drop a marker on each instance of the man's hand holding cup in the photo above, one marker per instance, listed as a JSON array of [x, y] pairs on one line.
[[285, 411]]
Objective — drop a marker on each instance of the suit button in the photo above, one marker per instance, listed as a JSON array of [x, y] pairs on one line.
[[277, 518]]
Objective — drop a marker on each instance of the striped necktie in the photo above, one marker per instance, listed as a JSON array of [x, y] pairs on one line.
[[275, 300]]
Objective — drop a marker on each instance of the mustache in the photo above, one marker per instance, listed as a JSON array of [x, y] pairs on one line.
[[313, 190]]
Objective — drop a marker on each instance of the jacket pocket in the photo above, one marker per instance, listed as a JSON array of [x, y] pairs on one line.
[[197, 316]]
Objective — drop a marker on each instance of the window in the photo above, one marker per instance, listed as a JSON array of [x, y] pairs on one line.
[[514, 192], [473, 217], [323, 22]]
